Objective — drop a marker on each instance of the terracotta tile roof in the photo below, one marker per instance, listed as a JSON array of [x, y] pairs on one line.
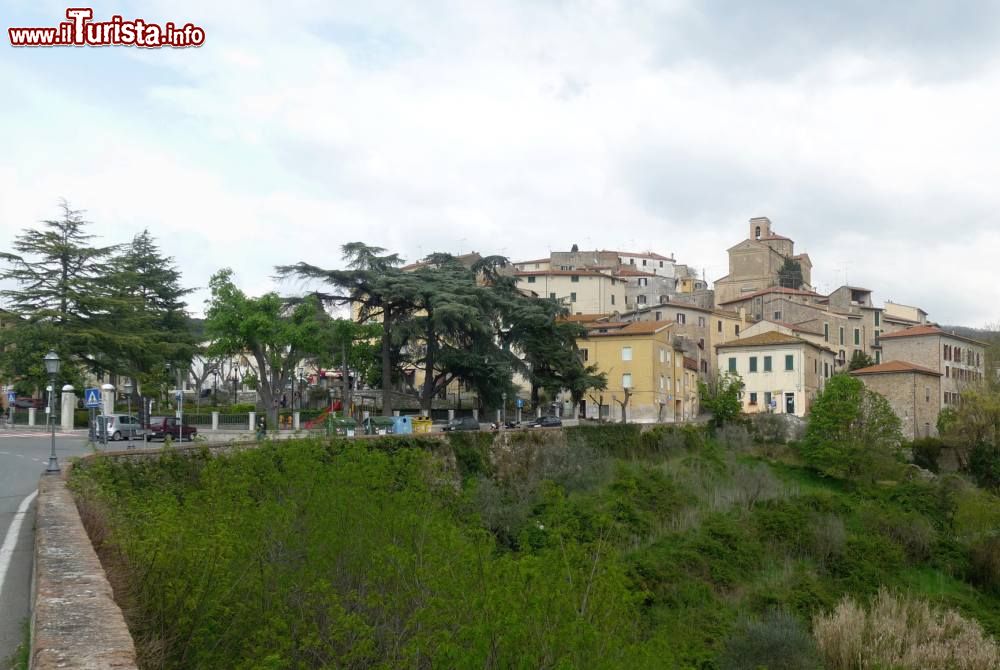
[[773, 289], [928, 329], [895, 366], [616, 328], [468, 260], [539, 260], [585, 318], [792, 326], [765, 340]]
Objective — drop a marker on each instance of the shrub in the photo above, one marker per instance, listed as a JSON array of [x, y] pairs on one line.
[[984, 465], [926, 452], [912, 532], [829, 538], [733, 437], [984, 563], [903, 633], [769, 428], [777, 641]]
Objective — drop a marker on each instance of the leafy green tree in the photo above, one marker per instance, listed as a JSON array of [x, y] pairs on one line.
[[851, 431], [58, 300], [859, 360], [371, 287], [790, 274], [276, 334], [722, 398]]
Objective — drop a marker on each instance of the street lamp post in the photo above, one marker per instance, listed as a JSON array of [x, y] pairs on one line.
[[131, 427], [52, 367]]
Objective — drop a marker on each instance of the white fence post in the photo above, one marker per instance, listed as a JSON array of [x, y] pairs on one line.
[[253, 420], [215, 421]]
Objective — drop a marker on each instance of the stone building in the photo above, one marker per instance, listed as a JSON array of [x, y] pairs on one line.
[[755, 262], [781, 373], [645, 372], [913, 392], [581, 291], [960, 360]]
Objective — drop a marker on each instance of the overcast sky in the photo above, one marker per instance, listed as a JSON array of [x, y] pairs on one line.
[[867, 132]]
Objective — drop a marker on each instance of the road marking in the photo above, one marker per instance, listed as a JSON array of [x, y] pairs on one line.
[[10, 542]]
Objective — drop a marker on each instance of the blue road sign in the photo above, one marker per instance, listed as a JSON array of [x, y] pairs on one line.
[[11, 397], [520, 403], [92, 398]]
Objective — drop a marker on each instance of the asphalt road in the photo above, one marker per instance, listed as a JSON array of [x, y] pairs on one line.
[[24, 456]]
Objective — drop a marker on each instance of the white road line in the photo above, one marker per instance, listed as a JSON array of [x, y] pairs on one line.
[[10, 542]]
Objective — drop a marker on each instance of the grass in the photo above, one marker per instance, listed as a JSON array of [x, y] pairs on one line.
[[22, 655]]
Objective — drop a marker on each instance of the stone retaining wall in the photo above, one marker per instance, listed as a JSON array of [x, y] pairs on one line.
[[75, 620]]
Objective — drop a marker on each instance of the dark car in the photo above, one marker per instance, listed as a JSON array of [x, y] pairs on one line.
[[463, 423], [162, 426], [547, 422]]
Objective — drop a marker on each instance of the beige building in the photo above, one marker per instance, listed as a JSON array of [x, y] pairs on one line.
[[781, 373], [581, 291], [913, 392], [646, 374], [898, 317], [960, 360], [755, 262]]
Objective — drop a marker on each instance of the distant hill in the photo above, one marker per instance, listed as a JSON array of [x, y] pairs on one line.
[[981, 334]]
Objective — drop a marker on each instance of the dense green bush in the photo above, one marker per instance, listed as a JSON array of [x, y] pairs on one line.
[[591, 547], [984, 563], [926, 452], [984, 465], [769, 428], [776, 641]]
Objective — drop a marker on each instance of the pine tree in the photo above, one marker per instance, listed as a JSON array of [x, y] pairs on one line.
[[58, 300]]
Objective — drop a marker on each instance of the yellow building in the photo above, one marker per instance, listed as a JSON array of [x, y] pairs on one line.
[[646, 374]]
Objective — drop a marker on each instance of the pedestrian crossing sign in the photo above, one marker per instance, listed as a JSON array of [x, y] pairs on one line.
[[92, 398], [11, 397]]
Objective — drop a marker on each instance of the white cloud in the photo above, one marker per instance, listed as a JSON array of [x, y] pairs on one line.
[[519, 128]]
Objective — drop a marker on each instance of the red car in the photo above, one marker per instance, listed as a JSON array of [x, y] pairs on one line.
[[162, 426]]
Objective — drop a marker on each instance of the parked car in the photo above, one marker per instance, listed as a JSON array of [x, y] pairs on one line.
[[120, 425], [24, 402], [462, 423], [161, 426], [546, 422]]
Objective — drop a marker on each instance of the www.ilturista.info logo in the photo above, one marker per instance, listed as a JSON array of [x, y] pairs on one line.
[[81, 31]]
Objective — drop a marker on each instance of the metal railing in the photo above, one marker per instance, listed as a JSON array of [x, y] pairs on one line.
[[238, 421]]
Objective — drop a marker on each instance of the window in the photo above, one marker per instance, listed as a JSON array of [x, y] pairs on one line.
[[927, 393], [575, 279], [627, 380], [531, 279], [857, 337], [815, 365], [947, 371], [767, 398], [681, 319], [767, 363], [826, 370], [626, 353], [878, 357], [643, 281], [572, 297], [641, 300], [826, 332], [663, 382], [878, 318], [659, 316], [753, 364], [663, 355], [718, 327], [631, 261], [626, 300], [612, 298], [643, 261], [584, 354], [841, 334], [737, 330], [790, 362], [777, 316], [753, 398], [552, 296], [732, 365], [701, 322], [661, 264]]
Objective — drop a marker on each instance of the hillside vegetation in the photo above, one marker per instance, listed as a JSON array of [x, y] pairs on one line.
[[587, 548]]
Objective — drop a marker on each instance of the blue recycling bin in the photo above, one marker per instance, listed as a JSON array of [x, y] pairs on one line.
[[402, 425]]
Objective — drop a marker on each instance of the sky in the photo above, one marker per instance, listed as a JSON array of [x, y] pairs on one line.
[[866, 131]]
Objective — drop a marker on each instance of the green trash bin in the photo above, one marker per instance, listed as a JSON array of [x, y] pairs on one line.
[[341, 426], [379, 425]]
